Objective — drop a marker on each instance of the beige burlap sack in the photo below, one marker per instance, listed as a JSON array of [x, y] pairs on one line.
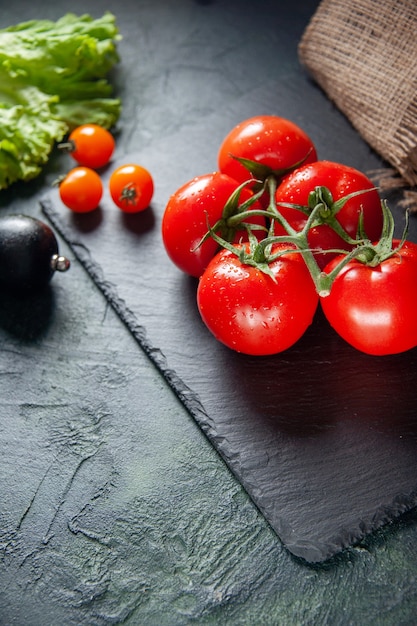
[[363, 54]]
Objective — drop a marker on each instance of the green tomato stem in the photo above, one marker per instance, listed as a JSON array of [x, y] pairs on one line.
[[321, 210]]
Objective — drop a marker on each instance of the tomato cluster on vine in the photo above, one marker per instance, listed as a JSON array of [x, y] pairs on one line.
[[131, 185], [274, 233]]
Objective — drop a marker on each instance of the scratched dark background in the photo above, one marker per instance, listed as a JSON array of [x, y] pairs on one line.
[[115, 508]]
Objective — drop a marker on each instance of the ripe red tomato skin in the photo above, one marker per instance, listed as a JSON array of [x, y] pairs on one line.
[[250, 313], [341, 180], [131, 187], [81, 190], [189, 209], [375, 309], [274, 141], [93, 145]]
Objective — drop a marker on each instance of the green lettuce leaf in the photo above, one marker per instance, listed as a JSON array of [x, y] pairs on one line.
[[52, 78]]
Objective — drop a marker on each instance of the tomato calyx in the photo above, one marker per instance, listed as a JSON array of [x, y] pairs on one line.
[[128, 195], [321, 200], [234, 216], [261, 172], [373, 254], [324, 210]]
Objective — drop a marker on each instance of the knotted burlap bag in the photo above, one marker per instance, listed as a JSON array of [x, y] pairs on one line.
[[363, 54]]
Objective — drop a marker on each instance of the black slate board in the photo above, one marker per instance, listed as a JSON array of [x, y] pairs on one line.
[[322, 437]]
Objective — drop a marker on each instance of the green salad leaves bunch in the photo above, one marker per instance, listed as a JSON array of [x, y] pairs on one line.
[[52, 79]]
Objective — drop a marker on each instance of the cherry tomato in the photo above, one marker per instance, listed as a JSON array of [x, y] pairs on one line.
[[248, 310], [195, 205], [273, 141], [81, 190], [131, 188], [375, 308], [341, 180], [91, 145]]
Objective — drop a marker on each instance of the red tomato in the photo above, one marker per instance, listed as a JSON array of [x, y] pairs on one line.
[[248, 311], [131, 188], [270, 140], [81, 190], [91, 145], [375, 308], [189, 210], [341, 180]]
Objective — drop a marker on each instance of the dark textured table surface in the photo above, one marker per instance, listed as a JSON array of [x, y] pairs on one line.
[[114, 506]]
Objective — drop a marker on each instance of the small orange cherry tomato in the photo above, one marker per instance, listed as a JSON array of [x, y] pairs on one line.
[[131, 188], [90, 145], [81, 190]]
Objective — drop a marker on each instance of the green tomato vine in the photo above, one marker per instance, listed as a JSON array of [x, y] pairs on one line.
[[321, 209]]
